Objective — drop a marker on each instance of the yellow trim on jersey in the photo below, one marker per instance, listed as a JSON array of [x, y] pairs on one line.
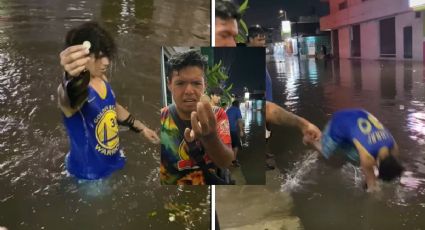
[[360, 147]]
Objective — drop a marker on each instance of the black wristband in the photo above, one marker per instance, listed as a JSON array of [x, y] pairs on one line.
[[129, 122], [76, 88]]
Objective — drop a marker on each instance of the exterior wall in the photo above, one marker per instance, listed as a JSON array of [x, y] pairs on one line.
[[364, 11], [408, 19], [368, 14], [344, 42], [369, 35], [333, 6]]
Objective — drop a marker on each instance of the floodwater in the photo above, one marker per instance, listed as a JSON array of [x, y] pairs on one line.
[[251, 156], [310, 193], [36, 192]]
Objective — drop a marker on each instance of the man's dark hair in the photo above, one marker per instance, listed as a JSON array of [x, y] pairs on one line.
[[216, 91], [102, 44], [185, 59], [255, 31], [235, 103], [226, 10], [389, 168]]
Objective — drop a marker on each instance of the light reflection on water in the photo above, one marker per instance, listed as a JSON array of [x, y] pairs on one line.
[[250, 156], [328, 195], [383, 89]]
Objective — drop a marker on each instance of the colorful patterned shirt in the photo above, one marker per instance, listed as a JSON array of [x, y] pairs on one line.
[[176, 165]]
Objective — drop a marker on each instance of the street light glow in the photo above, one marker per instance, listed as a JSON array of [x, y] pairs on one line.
[[286, 27], [416, 3]]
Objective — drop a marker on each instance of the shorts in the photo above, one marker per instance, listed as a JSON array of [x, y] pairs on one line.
[[236, 141], [331, 147]]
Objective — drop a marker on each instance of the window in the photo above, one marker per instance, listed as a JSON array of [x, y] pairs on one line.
[[387, 37], [342, 5], [417, 14]]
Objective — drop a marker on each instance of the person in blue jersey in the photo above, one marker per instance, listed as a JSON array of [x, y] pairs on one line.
[[236, 129], [91, 113], [362, 140]]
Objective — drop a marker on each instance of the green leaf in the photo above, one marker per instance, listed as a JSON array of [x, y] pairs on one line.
[[215, 67], [222, 76], [244, 27], [240, 38], [230, 87], [243, 7]]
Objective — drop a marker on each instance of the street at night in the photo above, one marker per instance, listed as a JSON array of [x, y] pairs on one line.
[[306, 192], [315, 75]]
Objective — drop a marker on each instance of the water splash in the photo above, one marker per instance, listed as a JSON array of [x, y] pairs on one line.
[[296, 178]]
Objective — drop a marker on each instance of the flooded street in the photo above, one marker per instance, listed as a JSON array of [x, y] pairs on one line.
[[36, 193], [309, 193], [251, 170]]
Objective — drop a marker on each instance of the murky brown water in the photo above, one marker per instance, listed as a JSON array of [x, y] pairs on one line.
[[308, 193], [35, 191]]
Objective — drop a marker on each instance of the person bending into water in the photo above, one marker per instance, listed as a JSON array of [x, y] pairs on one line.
[[91, 113], [363, 140]]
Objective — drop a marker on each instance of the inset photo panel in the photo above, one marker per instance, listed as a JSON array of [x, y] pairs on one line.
[[213, 116]]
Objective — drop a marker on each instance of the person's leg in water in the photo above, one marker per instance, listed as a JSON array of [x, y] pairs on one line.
[[270, 163], [235, 162], [235, 146]]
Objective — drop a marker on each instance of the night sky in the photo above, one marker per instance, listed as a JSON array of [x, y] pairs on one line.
[[266, 12], [245, 67]]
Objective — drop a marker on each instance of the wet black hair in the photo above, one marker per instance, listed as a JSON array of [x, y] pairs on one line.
[[235, 103], [102, 44], [185, 59], [226, 10], [255, 31], [389, 168], [216, 91]]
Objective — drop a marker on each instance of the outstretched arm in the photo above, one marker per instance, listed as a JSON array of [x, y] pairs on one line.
[[126, 118], [72, 92], [278, 116], [204, 128], [367, 164]]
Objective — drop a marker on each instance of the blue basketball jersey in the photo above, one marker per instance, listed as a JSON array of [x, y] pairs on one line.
[[349, 125], [93, 135]]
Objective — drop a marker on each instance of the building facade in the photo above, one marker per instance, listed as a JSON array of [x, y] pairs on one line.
[[375, 29]]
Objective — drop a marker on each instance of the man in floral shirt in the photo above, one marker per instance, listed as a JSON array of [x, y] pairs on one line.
[[206, 127]]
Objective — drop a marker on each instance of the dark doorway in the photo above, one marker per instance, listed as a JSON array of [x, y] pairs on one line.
[[355, 41], [335, 44], [407, 41], [387, 37]]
